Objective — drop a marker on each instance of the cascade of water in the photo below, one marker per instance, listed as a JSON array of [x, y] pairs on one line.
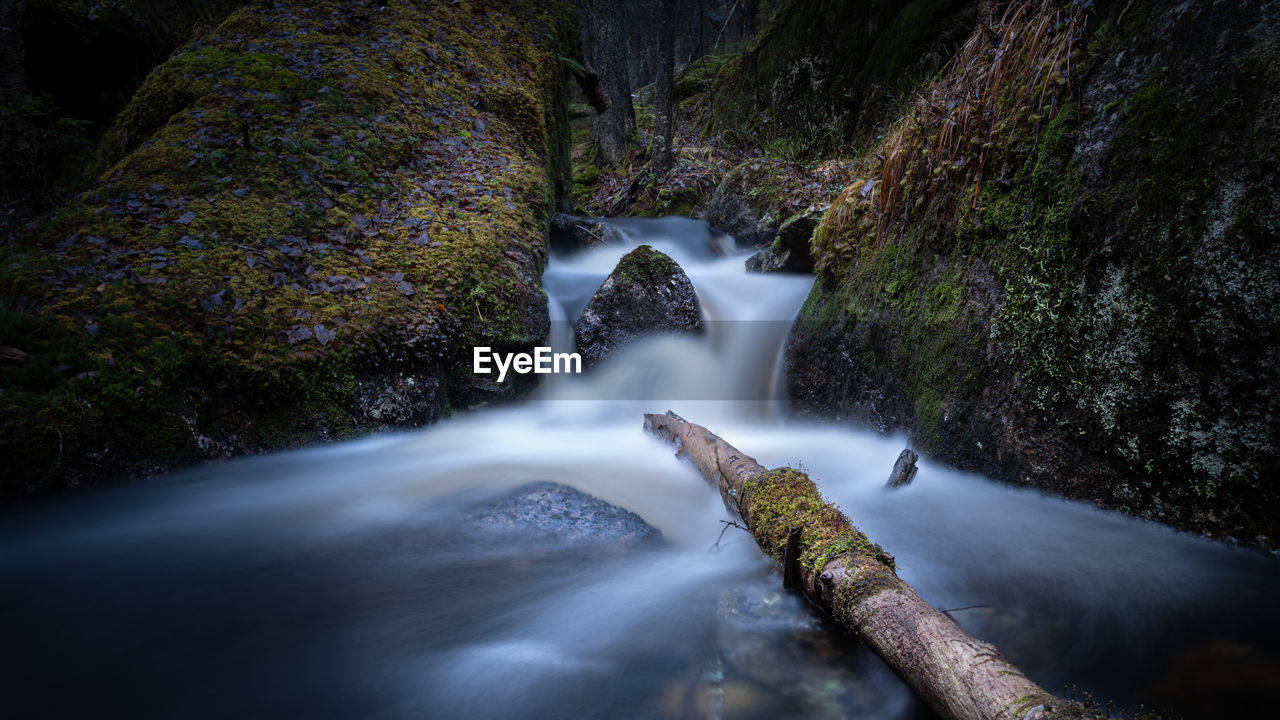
[[333, 581]]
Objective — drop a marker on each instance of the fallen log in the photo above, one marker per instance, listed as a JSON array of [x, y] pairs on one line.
[[853, 580]]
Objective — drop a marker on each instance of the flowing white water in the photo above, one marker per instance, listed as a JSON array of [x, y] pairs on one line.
[[336, 582]]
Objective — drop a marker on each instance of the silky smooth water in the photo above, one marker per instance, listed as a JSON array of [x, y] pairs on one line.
[[339, 581]]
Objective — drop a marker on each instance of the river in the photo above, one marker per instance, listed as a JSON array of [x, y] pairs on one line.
[[336, 581]]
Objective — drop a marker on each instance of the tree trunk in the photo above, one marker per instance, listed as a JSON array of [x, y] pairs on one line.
[[750, 21], [852, 579], [13, 69], [664, 103], [605, 48]]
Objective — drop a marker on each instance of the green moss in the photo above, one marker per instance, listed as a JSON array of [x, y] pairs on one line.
[[697, 76], [645, 266], [1101, 296], [783, 498], [267, 190]]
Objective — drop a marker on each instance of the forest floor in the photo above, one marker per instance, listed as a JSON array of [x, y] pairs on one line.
[[798, 179]]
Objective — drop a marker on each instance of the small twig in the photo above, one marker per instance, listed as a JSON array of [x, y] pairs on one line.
[[723, 530], [982, 164], [58, 462], [728, 16], [1120, 18], [966, 607]]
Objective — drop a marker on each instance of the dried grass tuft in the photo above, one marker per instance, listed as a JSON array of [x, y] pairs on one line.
[[1005, 74]]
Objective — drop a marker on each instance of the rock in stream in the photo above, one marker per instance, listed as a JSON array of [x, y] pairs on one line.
[[646, 293]]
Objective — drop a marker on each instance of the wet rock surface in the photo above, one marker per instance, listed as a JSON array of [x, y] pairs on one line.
[[904, 469], [547, 512], [646, 293], [401, 400], [789, 252]]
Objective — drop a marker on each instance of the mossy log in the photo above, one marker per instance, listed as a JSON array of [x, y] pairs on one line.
[[852, 579]]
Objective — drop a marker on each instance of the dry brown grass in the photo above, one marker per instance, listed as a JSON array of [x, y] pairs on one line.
[[1008, 73]]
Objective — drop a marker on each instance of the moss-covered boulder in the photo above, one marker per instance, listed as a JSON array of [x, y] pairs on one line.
[[646, 293], [304, 220], [1078, 287], [748, 202]]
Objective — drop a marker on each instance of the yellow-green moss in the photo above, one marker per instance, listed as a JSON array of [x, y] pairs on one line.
[[783, 498], [383, 172]]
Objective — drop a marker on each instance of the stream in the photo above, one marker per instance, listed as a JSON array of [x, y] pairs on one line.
[[336, 581]]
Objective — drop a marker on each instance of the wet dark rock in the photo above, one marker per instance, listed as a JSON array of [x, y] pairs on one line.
[[405, 400], [553, 513], [570, 233], [904, 469], [789, 252], [646, 293]]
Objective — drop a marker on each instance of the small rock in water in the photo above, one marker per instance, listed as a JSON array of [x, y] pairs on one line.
[[904, 470], [789, 253]]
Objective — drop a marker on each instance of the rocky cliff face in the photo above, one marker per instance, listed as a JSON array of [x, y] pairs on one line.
[[1074, 283], [304, 219]]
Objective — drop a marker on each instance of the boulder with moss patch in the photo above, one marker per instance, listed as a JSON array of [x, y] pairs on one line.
[[748, 201], [646, 293], [789, 251]]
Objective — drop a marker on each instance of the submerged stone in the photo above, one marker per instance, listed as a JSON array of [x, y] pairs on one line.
[[554, 513]]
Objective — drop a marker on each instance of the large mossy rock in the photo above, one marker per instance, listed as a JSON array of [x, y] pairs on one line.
[[646, 293], [1095, 308], [304, 221]]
